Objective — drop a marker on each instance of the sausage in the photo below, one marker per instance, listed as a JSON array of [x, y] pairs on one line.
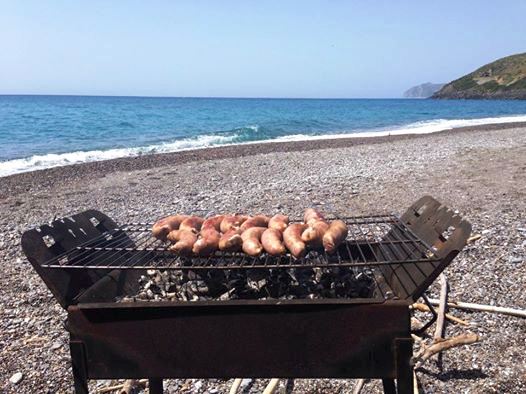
[[208, 241], [292, 239], [255, 221], [163, 226], [334, 236], [213, 222], [184, 241], [191, 223], [279, 222], [313, 234], [272, 241], [232, 221], [312, 215], [231, 241], [252, 240]]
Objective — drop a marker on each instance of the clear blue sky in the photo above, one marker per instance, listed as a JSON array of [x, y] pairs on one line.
[[249, 48]]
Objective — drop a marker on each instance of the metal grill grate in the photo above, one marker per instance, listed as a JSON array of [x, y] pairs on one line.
[[373, 241]]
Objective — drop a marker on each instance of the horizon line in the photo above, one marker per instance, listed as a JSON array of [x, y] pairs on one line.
[[210, 97]]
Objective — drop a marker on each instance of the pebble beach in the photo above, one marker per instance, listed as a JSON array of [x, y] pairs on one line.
[[479, 171]]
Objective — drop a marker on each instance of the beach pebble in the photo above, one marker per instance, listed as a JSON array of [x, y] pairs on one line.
[[16, 378]]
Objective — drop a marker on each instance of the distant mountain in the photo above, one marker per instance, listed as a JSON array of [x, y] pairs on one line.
[[502, 79], [424, 90]]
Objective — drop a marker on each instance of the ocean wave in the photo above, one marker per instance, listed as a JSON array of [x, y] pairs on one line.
[[423, 127], [39, 162], [243, 135]]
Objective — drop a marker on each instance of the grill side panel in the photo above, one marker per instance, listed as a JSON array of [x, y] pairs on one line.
[[442, 229], [62, 237], [223, 341]]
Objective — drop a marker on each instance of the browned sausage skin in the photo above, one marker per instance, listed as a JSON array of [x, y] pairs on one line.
[[163, 226], [208, 242], [293, 241], [214, 222], [232, 221], [313, 234], [272, 241], [311, 215], [255, 221], [279, 222], [191, 223], [231, 241], [252, 240], [183, 240], [334, 236]]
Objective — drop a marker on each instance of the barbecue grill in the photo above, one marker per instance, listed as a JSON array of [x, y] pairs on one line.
[[89, 262]]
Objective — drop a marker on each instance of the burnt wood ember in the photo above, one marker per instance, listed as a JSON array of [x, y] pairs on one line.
[[344, 315]]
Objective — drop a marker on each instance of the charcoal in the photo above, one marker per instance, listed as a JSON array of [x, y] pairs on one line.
[[253, 284]]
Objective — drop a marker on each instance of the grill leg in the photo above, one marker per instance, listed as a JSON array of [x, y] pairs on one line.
[[156, 386], [404, 370], [78, 361], [389, 386]]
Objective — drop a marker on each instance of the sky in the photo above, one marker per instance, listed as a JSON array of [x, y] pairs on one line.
[[355, 49]]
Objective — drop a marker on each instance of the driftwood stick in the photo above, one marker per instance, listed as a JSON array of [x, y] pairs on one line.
[[271, 387], [474, 238], [439, 329], [128, 386], [109, 389], [425, 354], [358, 386], [424, 308], [235, 386], [484, 308]]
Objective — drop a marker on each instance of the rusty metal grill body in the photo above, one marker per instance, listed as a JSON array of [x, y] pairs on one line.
[[88, 261]]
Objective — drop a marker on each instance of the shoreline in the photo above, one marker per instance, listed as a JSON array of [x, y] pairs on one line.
[[19, 182]]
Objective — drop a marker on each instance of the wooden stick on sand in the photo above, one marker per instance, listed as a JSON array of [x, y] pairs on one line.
[[235, 386], [439, 329], [483, 308], [425, 354], [272, 386]]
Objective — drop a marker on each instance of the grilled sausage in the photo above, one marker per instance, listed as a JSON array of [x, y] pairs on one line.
[[334, 236], [232, 221], [313, 234], [272, 241], [191, 223], [279, 222], [231, 241], [292, 239], [255, 221], [208, 241], [184, 241], [213, 222], [312, 215], [252, 240], [163, 226]]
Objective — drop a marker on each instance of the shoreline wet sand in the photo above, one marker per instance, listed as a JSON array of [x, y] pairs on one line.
[[480, 171]]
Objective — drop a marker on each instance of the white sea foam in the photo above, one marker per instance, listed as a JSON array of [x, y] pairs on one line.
[[38, 162], [50, 160], [424, 127]]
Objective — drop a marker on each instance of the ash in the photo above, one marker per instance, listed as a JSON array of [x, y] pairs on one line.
[[254, 284]]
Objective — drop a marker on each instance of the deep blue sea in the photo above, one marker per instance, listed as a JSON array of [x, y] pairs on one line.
[[46, 131]]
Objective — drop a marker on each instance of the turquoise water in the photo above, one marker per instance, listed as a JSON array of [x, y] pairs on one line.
[[45, 131]]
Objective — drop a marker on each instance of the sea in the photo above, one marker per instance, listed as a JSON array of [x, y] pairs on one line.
[[39, 132]]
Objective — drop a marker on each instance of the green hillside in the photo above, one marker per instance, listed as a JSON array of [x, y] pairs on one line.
[[502, 79]]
